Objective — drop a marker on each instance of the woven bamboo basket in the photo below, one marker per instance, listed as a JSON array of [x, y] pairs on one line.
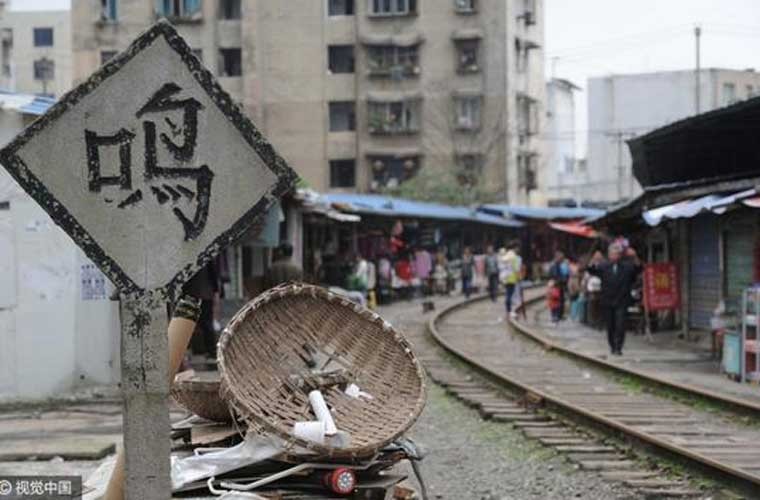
[[200, 395], [292, 330]]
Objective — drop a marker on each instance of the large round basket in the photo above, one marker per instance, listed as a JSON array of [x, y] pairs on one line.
[[292, 331], [200, 395]]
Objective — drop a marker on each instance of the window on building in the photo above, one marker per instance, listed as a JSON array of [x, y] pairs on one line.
[[340, 7], [467, 115], [393, 60], [567, 165], [340, 58], [43, 37], [390, 171], [729, 93], [109, 10], [342, 116], [198, 53], [526, 172], [342, 173], [465, 6], [106, 55], [529, 12], [521, 56], [44, 69], [400, 117], [527, 115], [229, 9], [392, 7], [470, 167], [230, 63], [468, 56], [178, 8]]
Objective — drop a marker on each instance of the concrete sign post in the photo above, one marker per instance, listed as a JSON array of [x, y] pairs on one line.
[[152, 170]]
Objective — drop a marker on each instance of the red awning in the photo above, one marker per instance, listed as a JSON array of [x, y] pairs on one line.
[[575, 228]]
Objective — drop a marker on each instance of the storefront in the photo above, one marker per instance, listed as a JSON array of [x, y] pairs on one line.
[[704, 270], [403, 241], [739, 243]]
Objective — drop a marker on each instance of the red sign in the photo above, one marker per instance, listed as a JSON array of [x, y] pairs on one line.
[[661, 289]]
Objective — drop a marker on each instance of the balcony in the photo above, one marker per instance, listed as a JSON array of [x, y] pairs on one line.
[[393, 113]]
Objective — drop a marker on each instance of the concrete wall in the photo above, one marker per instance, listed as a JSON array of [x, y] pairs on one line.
[[52, 341], [623, 106], [21, 25], [532, 83], [564, 172]]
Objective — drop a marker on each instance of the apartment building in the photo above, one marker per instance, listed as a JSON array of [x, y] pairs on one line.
[[360, 95], [566, 174], [35, 51], [621, 107]]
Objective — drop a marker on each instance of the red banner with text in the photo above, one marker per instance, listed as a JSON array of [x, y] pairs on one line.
[[661, 288]]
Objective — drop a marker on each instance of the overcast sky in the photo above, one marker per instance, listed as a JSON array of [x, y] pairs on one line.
[[600, 37]]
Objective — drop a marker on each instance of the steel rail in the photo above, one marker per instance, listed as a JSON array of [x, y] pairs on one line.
[[565, 407], [743, 407]]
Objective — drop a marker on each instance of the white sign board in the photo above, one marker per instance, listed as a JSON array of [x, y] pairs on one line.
[[149, 166]]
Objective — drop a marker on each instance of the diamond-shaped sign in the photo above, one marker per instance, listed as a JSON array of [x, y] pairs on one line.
[[149, 166]]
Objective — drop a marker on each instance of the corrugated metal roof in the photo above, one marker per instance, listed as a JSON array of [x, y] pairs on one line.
[[39, 106], [542, 213], [25, 103], [396, 207]]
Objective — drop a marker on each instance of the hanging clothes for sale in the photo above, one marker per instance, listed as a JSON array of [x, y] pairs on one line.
[[404, 270], [397, 245], [423, 264]]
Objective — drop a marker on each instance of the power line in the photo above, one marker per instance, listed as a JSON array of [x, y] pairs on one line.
[[626, 38]]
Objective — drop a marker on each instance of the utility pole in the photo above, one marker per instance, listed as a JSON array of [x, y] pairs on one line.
[[697, 86]]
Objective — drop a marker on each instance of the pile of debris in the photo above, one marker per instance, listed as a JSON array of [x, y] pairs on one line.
[[312, 399]]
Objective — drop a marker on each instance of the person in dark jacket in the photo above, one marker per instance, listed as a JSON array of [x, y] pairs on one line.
[[618, 276]]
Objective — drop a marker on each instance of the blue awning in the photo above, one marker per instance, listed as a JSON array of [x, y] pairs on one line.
[[374, 204], [25, 103], [542, 213]]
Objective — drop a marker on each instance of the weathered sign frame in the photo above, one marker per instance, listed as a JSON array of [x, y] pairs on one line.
[[16, 167]]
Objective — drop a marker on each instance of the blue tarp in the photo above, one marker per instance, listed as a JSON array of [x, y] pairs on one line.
[[25, 103], [374, 204], [38, 106], [542, 213]]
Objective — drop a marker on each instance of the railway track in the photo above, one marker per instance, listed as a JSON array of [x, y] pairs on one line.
[[565, 401]]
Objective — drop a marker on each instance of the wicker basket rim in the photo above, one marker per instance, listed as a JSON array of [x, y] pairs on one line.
[[252, 419]]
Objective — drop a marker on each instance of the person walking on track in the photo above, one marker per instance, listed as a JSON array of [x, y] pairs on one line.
[[560, 273], [492, 271], [618, 276], [468, 271], [511, 274]]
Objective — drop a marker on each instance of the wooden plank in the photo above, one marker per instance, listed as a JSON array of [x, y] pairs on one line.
[[603, 465], [585, 449]]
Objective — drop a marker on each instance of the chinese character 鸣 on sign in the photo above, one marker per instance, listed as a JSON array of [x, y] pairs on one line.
[[166, 184]]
